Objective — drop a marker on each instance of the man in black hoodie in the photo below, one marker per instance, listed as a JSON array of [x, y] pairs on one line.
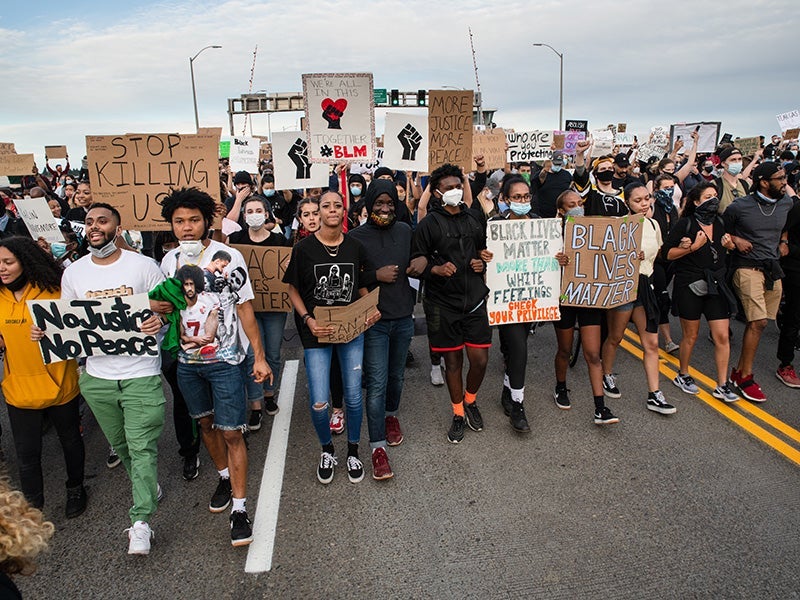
[[451, 238], [388, 244]]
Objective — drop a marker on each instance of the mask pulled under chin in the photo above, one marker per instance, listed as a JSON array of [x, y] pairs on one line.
[[104, 251], [191, 249], [19, 283]]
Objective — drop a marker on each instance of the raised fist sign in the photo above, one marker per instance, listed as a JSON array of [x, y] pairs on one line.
[[299, 155], [332, 112], [410, 138]]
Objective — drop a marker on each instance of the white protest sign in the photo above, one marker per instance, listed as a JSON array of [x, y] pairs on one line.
[[244, 154], [602, 142], [648, 150], [525, 146], [78, 228], [93, 327], [524, 277], [39, 219], [659, 135], [405, 142], [340, 117], [291, 165], [361, 168], [708, 132], [789, 120], [624, 139]]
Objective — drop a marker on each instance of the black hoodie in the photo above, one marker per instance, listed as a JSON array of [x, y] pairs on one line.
[[386, 246]]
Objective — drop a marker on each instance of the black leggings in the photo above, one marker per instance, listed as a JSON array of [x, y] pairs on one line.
[[337, 387], [662, 275], [514, 347], [186, 430], [26, 426]]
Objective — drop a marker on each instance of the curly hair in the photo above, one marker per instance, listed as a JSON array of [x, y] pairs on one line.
[[446, 170], [192, 198], [38, 266], [23, 532]]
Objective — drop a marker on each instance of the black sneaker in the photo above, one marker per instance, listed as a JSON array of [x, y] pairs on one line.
[[473, 416], [657, 403], [76, 501], [270, 406], [610, 388], [456, 433], [561, 396], [355, 469], [505, 401], [518, 421], [241, 529], [113, 459], [191, 467], [409, 358], [222, 496], [604, 416], [325, 468], [254, 424]]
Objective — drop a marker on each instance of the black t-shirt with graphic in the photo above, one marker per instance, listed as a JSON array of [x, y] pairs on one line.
[[322, 279]]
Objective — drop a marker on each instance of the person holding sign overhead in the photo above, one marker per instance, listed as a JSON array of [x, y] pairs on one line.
[[600, 197], [34, 390], [325, 270]]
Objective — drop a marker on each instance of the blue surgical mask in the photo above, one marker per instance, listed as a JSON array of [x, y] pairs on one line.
[[269, 193], [734, 168], [355, 190], [520, 208], [502, 206], [556, 168], [576, 211], [58, 249]]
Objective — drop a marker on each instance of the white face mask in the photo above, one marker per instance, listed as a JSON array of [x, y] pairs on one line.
[[191, 249], [452, 197], [255, 220]]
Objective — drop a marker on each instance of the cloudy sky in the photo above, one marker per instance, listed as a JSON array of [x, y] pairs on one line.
[[89, 67]]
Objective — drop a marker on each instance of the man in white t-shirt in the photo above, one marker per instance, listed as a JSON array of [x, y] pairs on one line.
[[124, 392], [213, 383]]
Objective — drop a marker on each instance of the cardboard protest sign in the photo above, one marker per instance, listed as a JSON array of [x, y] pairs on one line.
[[244, 152], [265, 151], [622, 127], [340, 117], [708, 133], [55, 152], [405, 142], [39, 219], [791, 134], [602, 142], [349, 321], [266, 266], [213, 131], [789, 120], [361, 168], [576, 125], [133, 172], [525, 146], [93, 327], [7, 148], [524, 277], [450, 128], [16, 164], [291, 164], [603, 269], [559, 141], [749, 146], [571, 139], [491, 144]]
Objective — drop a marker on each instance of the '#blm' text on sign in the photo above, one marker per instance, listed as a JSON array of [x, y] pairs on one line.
[[134, 172], [93, 327], [450, 128], [348, 321], [523, 277], [266, 266], [603, 269]]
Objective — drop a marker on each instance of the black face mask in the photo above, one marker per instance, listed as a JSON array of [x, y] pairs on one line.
[[605, 176], [708, 169], [707, 211], [19, 283]]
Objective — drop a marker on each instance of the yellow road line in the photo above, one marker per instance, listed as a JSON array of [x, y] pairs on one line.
[[724, 409]]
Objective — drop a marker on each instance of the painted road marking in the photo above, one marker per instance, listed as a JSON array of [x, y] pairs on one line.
[[259, 553], [667, 361]]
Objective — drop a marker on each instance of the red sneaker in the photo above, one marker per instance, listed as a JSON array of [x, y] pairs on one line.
[[736, 376], [380, 465], [751, 390], [394, 435], [788, 377]]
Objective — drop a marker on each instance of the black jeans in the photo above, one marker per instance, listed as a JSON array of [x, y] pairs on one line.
[[514, 347], [791, 319], [26, 426], [186, 430]]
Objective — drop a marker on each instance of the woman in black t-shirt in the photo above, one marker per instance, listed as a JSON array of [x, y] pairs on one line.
[[324, 271]]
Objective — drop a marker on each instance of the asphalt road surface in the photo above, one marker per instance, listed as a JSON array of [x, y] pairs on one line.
[[700, 504]]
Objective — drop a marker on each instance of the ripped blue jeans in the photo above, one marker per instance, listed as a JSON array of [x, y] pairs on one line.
[[318, 368]]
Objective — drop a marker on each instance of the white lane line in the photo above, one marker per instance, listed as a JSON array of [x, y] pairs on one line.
[[259, 553]]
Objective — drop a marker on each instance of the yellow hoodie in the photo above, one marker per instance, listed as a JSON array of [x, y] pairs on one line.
[[27, 381]]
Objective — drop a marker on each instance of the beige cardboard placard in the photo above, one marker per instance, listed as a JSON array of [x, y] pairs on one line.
[[749, 145], [349, 321], [133, 172], [16, 164], [215, 131], [791, 134], [603, 269], [492, 145], [622, 127], [559, 141], [55, 152], [266, 266], [450, 128], [265, 152], [7, 148]]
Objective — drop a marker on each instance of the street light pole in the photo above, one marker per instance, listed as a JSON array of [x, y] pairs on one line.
[[560, 85], [194, 91]]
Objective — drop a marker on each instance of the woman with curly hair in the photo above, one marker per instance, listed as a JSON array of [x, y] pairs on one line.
[[31, 388], [23, 536]]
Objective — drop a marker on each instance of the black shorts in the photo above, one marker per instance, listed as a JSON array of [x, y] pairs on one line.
[[585, 317], [691, 307], [450, 330]]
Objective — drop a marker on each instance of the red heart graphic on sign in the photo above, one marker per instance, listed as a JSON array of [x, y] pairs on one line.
[[339, 104]]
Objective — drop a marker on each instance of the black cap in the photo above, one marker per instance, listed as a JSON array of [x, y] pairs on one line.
[[764, 171], [242, 177], [726, 153], [621, 160]]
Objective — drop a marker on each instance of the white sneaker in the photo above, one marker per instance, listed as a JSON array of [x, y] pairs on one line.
[[436, 375], [139, 537]]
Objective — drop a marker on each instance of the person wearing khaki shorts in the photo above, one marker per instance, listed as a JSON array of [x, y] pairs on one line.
[[759, 303]]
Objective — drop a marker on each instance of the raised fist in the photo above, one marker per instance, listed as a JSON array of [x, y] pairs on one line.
[[299, 155], [410, 138], [332, 112]]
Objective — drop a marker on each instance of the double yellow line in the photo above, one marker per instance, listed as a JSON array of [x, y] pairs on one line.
[[669, 365]]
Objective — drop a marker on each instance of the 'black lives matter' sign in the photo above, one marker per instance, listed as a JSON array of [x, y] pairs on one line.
[[93, 327]]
